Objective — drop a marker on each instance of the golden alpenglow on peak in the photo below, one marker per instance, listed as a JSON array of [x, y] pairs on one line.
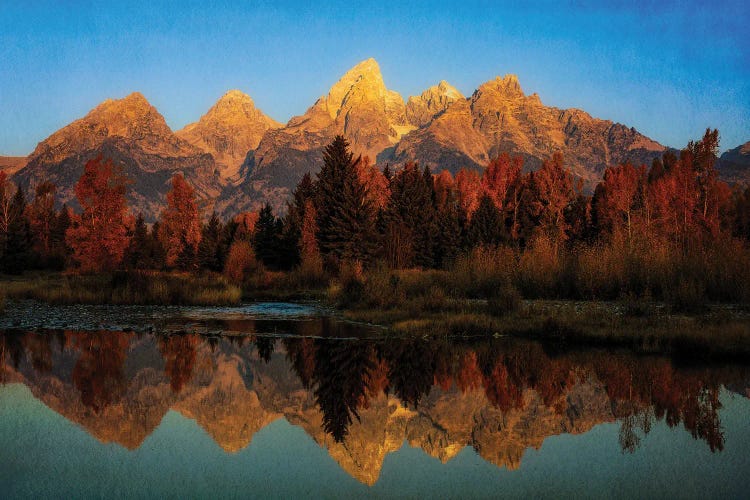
[[420, 110], [232, 127], [366, 77]]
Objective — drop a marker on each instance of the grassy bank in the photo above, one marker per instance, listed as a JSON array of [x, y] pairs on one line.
[[126, 288], [466, 302]]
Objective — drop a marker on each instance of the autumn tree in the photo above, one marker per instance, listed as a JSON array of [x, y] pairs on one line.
[[500, 178], [180, 230], [98, 235], [469, 188], [618, 196], [551, 193]]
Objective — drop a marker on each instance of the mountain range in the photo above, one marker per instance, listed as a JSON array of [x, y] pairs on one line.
[[238, 158]]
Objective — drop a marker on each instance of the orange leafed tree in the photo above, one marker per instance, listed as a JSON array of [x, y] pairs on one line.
[[468, 185], [553, 192], [99, 235], [618, 196], [500, 176], [444, 187], [376, 185], [180, 230]]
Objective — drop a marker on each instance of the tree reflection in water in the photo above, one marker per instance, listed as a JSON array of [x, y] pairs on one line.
[[344, 376], [178, 352], [98, 373]]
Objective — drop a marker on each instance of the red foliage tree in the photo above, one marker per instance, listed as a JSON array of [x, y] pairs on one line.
[[469, 187], [501, 178], [618, 197], [98, 235], [552, 188], [180, 230]]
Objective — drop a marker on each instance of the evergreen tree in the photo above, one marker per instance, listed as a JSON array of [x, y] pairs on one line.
[[15, 258], [266, 238], [345, 218], [487, 227], [157, 252], [60, 251], [451, 228], [410, 218], [209, 249], [137, 253], [187, 259]]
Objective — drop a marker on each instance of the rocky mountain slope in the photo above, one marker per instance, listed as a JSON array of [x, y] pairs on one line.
[[11, 164], [734, 165], [135, 137], [440, 128], [499, 117], [232, 127], [358, 106]]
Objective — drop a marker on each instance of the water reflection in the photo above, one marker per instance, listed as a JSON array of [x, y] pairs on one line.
[[361, 398]]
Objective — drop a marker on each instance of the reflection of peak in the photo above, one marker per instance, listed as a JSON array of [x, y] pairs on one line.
[[499, 399]]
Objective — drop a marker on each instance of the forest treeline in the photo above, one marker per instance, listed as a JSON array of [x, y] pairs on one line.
[[646, 231]]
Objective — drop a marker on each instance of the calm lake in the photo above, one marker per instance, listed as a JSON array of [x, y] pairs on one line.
[[291, 402]]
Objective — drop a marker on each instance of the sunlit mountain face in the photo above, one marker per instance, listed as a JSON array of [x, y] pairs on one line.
[[362, 398]]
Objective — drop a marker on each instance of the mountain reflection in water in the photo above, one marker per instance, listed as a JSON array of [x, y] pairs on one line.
[[362, 398]]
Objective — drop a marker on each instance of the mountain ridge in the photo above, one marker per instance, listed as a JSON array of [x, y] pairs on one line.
[[238, 158]]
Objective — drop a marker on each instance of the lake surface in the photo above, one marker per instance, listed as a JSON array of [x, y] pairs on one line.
[[291, 402]]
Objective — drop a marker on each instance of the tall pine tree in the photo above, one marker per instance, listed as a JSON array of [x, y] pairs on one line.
[[345, 218]]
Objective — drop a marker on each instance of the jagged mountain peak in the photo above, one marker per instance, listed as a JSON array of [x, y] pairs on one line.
[[507, 86], [132, 118], [229, 129], [363, 82], [422, 109]]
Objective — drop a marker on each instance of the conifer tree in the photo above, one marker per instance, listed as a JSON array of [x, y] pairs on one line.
[[60, 252], [486, 226], [42, 217], [345, 219], [210, 255], [266, 238], [136, 255], [410, 218], [15, 258]]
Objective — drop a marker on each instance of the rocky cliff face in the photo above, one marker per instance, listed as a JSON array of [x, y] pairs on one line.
[[734, 165], [499, 117], [232, 127], [134, 136]]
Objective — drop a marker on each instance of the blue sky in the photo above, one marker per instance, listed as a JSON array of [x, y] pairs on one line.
[[669, 69]]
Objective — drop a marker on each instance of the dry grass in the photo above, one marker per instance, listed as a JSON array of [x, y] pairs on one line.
[[717, 333], [139, 288]]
